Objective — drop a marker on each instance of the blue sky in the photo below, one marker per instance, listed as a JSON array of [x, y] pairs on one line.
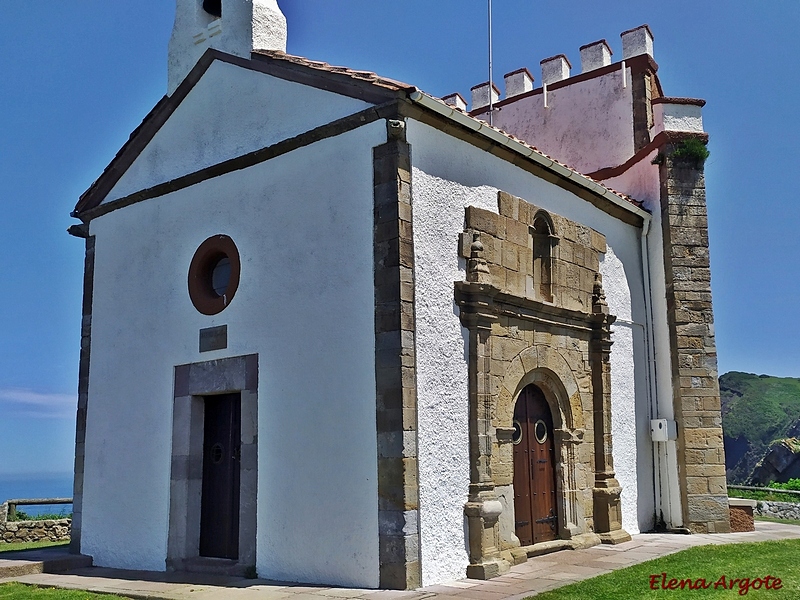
[[77, 77]]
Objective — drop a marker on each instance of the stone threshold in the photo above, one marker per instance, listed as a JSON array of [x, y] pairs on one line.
[[41, 560], [517, 556], [213, 566]]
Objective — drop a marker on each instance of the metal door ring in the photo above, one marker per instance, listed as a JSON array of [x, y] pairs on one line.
[[216, 453]]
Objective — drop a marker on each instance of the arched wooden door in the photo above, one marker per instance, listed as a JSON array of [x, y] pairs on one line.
[[535, 509]]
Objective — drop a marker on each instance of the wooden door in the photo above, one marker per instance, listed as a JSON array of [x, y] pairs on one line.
[[219, 505], [536, 516]]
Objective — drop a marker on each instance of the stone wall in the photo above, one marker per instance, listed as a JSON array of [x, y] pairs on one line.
[[56, 530], [778, 510], [395, 372], [13, 532], [571, 250]]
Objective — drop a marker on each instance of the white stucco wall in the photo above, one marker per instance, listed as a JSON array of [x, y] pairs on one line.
[[442, 390], [677, 117], [642, 181], [586, 125], [624, 421], [305, 304], [231, 111], [448, 175]]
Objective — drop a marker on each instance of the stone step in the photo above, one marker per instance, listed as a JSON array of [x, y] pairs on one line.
[[41, 560]]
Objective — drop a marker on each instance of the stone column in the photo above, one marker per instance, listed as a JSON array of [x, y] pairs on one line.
[[476, 298], [607, 490], [696, 401], [569, 441]]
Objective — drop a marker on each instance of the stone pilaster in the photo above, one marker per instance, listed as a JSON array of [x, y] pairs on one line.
[[83, 390], [701, 458], [483, 508], [607, 490], [395, 364]]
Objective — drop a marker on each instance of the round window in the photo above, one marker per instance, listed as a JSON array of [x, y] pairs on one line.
[[540, 431], [214, 274], [221, 276], [516, 437]]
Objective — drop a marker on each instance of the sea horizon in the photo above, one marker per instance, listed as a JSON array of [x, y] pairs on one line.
[[22, 485]]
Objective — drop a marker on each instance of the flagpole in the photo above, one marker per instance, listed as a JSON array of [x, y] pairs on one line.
[[491, 99]]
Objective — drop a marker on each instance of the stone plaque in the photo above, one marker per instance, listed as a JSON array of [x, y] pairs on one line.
[[214, 338]]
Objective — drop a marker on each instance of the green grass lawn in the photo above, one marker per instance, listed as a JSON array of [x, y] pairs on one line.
[[23, 516], [771, 495], [774, 520], [29, 546], [19, 591], [710, 563]]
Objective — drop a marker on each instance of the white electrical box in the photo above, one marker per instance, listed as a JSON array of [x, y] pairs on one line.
[[663, 430]]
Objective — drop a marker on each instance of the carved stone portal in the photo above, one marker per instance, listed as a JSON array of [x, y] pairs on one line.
[[556, 336]]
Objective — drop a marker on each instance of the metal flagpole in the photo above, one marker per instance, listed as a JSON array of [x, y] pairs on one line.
[[491, 99]]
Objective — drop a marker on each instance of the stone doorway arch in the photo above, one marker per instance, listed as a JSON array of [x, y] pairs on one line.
[[549, 372]]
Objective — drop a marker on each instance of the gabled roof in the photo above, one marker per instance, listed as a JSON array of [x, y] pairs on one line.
[[341, 80], [363, 85]]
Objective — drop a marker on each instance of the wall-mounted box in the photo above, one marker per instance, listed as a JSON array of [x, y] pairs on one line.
[[663, 430]]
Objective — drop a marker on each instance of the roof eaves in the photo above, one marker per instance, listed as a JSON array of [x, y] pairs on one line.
[[141, 136], [325, 68], [497, 135]]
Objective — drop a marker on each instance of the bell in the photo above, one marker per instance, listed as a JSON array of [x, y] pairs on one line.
[[213, 7]]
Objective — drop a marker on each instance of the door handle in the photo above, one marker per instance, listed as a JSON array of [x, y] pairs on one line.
[[550, 519]]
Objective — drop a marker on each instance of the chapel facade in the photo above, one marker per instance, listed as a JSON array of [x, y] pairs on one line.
[[338, 331]]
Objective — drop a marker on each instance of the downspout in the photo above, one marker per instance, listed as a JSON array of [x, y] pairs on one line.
[[665, 483], [651, 359]]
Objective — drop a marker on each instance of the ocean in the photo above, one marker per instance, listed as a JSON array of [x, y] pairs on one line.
[[56, 485]]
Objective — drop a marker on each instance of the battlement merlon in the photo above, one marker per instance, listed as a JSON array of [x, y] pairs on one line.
[[484, 94], [677, 115], [600, 119]]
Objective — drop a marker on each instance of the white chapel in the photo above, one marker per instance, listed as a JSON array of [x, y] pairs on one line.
[[339, 331]]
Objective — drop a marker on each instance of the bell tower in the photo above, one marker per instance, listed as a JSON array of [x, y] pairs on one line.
[[234, 26]]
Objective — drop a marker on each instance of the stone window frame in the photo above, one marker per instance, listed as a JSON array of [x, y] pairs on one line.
[[192, 383], [548, 243]]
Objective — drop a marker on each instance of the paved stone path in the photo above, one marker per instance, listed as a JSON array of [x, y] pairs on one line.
[[537, 575]]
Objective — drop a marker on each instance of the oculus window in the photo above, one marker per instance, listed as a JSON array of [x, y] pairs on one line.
[[214, 274]]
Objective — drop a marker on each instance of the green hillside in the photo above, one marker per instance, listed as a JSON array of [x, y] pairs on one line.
[[756, 410]]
